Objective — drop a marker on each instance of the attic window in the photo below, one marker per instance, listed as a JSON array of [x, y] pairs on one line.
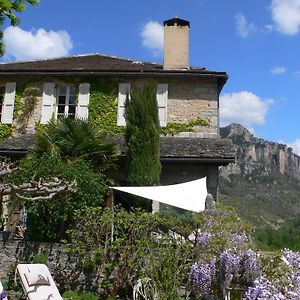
[[66, 101]]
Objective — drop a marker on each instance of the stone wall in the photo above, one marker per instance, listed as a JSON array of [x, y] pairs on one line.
[[188, 99], [62, 266], [193, 99]]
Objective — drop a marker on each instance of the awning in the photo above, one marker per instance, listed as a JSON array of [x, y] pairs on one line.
[[189, 195]]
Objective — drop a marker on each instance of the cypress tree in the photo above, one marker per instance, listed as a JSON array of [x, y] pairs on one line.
[[143, 137]]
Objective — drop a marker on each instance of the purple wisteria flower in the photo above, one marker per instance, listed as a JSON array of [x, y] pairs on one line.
[[201, 277], [241, 268], [283, 287], [250, 269], [229, 267], [3, 296], [262, 290], [293, 258], [238, 239], [203, 238]]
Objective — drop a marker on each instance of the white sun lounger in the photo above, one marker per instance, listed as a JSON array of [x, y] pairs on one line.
[[37, 282]]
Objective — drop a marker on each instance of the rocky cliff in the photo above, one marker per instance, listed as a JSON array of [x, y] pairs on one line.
[[264, 183]]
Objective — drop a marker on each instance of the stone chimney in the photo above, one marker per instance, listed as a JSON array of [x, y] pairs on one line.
[[176, 44]]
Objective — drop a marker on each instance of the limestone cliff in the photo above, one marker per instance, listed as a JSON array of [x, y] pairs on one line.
[[264, 183]]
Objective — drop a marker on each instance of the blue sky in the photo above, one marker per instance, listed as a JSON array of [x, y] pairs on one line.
[[256, 42]]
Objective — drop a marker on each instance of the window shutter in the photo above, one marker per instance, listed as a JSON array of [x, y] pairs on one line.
[[124, 89], [48, 101], [8, 103], [162, 102], [83, 101]]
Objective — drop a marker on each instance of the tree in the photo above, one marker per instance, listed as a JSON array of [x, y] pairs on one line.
[[143, 137], [31, 189], [75, 138], [8, 9], [72, 150]]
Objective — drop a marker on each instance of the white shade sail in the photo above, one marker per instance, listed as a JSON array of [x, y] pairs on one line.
[[189, 195]]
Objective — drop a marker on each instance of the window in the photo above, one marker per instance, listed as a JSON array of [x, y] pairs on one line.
[[62, 100], [162, 102], [66, 101]]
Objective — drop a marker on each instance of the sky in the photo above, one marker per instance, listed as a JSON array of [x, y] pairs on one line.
[[256, 42]]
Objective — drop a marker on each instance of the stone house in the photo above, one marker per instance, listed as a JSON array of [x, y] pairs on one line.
[[94, 86]]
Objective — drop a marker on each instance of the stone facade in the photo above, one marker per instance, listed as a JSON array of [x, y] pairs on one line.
[[187, 100], [62, 265], [192, 99]]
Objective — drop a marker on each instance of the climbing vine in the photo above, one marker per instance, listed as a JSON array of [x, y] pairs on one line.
[[30, 99], [5, 131], [103, 106], [188, 126]]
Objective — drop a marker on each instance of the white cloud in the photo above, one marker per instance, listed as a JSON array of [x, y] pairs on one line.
[[153, 36], [296, 146], [243, 27], [286, 16], [278, 70], [243, 107], [35, 44]]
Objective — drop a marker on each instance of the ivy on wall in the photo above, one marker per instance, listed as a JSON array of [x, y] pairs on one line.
[[103, 106], [188, 126], [5, 131], [103, 109]]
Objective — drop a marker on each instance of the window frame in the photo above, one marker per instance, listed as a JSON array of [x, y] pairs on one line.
[[66, 104]]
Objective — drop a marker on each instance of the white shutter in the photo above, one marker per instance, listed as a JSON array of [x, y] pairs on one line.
[[83, 101], [124, 89], [8, 103], [162, 103], [48, 101]]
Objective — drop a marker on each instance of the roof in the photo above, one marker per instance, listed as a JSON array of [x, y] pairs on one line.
[[99, 64], [17, 145], [171, 148], [191, 149]]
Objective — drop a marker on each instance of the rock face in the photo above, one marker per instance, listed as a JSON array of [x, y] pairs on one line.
[[264, 183]]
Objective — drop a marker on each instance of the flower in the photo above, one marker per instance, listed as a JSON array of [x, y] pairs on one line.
[[3, 296], [201, 277]]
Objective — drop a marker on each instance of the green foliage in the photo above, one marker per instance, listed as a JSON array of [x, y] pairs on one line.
[[103, 106], [40, 258], [286, 236], [143, 137], [69, 139], [48, 220], [5, 131], [9, 8], [119, 247], [222, 223], [29, 103], [71, 295], [188, 126]]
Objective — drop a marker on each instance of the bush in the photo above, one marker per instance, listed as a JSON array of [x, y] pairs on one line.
[[48, 220], [120, 247]]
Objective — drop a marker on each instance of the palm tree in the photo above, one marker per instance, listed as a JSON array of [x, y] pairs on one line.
[[76, 138]]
